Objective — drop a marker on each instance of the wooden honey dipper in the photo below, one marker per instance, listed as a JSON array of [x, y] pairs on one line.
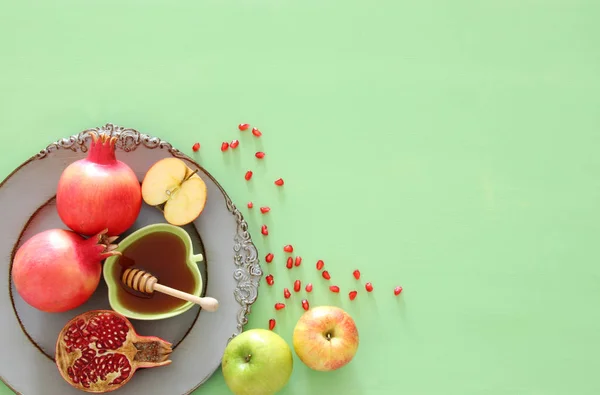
[[142, 281]]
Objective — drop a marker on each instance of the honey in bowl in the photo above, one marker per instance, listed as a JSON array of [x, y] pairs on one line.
[[164, 255]]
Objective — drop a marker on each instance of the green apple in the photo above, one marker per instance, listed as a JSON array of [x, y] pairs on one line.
[[257, 362]]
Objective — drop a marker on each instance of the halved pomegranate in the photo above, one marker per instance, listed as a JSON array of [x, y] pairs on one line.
[[99, 351]]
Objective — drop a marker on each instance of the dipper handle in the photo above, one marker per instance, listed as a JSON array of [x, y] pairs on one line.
[[145, 282]]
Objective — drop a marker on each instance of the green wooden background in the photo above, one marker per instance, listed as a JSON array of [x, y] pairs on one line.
[[450, 147]]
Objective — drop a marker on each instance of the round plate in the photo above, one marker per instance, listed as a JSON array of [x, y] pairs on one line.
[[231, 273]]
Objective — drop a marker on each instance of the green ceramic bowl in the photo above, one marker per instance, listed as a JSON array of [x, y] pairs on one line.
[[113, 282]]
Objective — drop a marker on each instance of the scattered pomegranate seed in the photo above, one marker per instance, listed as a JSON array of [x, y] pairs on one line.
[[326, 275], [397, 291], [196, 147], [224, 146], [271, 324], [269, 257], [298, 261], [320, 264], [297, 285], [334, 288], [264, 230], [356, 274], [234, 144], [256, 132], [279, 182], [288, 248], [265, 210], [260, 155], [248, 175], [308, 287], [352, 295], [286, 293], [250, 205], [289, 263], [243, 126], [305, 304], [279, 306], [369, 287], [269, 279]]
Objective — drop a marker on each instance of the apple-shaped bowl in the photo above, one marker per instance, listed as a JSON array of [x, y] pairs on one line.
[[114, 282]]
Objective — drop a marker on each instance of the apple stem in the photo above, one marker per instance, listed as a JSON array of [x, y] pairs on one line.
[[248, 357], [328, 335], [188, 177], [171, 191]]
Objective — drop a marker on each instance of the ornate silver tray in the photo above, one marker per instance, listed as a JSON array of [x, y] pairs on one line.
[[231, 273]]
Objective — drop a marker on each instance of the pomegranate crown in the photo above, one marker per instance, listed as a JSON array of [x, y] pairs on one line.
[[102, 148]]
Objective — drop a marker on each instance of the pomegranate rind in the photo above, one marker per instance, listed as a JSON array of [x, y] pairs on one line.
[[139, 351]]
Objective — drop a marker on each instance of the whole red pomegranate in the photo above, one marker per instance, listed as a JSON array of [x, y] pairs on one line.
[[57, 270], [99, 351], [99, 191]]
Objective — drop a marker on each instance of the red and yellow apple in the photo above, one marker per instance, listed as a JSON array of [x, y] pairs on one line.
[[325, 338], [172, 185]]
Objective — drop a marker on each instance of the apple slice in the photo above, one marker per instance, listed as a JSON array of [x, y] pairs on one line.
[[187, 202], [177, 190], [163, 177]]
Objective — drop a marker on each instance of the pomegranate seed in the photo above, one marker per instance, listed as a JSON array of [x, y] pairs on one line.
[[289, 263], [196, 147], [264, 230], [297, 285], [397, 291], [288, 248], [298, 261], [286, 293], [250, 205], [224, 146], [305, 304], [308, 287], [265, 210], [260, 155], [271, 324], [243, 126], [369, 287], [334, 288], [234, 144], [356, 274], [248, 175], [326, 275], [269, 257], [279, 182], [269, 279], [256, 132], [279, 306], [352, 295], [320, 264]]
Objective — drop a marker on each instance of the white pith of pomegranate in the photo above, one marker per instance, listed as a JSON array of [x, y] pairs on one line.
[[99, 351], [58, 270], [99, 191]]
